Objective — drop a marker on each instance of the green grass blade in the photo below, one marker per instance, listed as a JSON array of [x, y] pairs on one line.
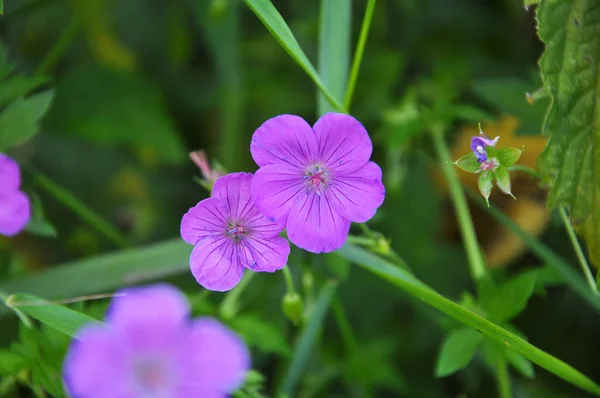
[[419, 290], [105, 273], [334, 50], [358, 53], [307, 339], [61, 318], [276, 25]]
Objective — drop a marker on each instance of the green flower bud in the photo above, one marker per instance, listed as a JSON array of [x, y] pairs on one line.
[[293, 307]]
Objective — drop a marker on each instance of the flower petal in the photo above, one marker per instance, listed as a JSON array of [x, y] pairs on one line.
[[15, 212], [264, 254], [206, 219], [233, 190], [274, 188], [344, 144], [215, 359], [357, 196], [10, 174], [284, 139], [214, 264], [96, 365], [314, 225]]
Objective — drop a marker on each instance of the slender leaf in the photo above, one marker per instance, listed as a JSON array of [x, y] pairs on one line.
[[458, 350], [508, 300], [274, 22], [411, 285], [19, 120], [569, 66], [307, 339], [334, 50], [61, 318]]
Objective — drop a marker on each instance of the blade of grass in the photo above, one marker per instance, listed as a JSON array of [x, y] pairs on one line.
[[61, 318], [106, 272], [306, 341], [358, 54], [276, 25], [334, 50], [86, 214], [419, 290]]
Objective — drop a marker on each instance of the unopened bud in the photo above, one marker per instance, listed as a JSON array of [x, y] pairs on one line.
[[293, 307]]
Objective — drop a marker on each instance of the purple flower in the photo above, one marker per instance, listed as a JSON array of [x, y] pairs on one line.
[[316, 180], [15, 209], [230, 235], [149, 348], [478, 144]]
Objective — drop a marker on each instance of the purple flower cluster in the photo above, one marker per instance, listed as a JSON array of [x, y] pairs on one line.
[[15, 210], [150, 348], [312, 181]]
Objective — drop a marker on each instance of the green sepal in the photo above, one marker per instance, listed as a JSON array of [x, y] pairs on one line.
[[509, 156], [469, 163], [485, 184], [503, 180]]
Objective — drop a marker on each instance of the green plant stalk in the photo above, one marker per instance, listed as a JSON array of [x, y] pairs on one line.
[[358, 54], [585, 267], [503, 379], [476, 260], [230, 305], [60, 47], [525, 169], [345, 329], [86, 214], [289, 279]]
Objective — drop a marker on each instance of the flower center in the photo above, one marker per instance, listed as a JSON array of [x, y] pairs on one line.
[[316, 179], [236, 231], [149, 376]]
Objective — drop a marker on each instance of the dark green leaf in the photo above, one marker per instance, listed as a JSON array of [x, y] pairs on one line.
[[19, 86], [469, 163], [338, 265], [508, 156], [38, 224], [19, 120], [10, 363], [509, 299], [457, 351], [260, 333]]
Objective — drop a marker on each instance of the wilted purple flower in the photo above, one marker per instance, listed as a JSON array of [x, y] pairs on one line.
[[149, 348], [15, 209], [316, 180], [478, 144], [230, 235]]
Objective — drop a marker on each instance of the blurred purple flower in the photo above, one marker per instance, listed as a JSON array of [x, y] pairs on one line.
[[316, 180], [231, 235], [15, 210], [149, 348], [478, 144]]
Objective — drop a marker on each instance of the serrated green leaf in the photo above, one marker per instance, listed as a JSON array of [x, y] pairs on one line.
[[56, 316], [274, 22], [469, 163], [509, 299], [508, 156], [503, 179], [569, 66], [457, 351], [19, 120]]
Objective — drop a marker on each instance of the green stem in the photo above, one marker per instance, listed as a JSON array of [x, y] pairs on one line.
[[358, 54], [60, 47], [229, 306], [88, 215], [476, 260], [503, 379], [585, 267], [345, 329], [289, 280], [527, 170]]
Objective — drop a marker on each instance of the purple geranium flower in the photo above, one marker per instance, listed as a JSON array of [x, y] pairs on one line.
[[230, 235], [149, 348], [316, 180], [478, 144], [15, 209]]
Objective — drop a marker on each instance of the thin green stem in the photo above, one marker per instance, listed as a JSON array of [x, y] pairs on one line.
[[503, 378], [358, 54], [230, 306], [88, 215], [585, 267], [345, 329], [527, 170], [60, 47], [289, 280], [476, 260]]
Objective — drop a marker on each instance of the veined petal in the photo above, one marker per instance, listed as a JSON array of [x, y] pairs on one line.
[[264, 254], [206, 219], [314, 225], [233, 190], [357, 196], [214, 264], [10, 175], [344, 144], [274, 189], [15, 212], [284, 139]]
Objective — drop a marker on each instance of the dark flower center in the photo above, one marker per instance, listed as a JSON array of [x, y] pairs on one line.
[[236, 231], [316, 178], [149, 375]]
